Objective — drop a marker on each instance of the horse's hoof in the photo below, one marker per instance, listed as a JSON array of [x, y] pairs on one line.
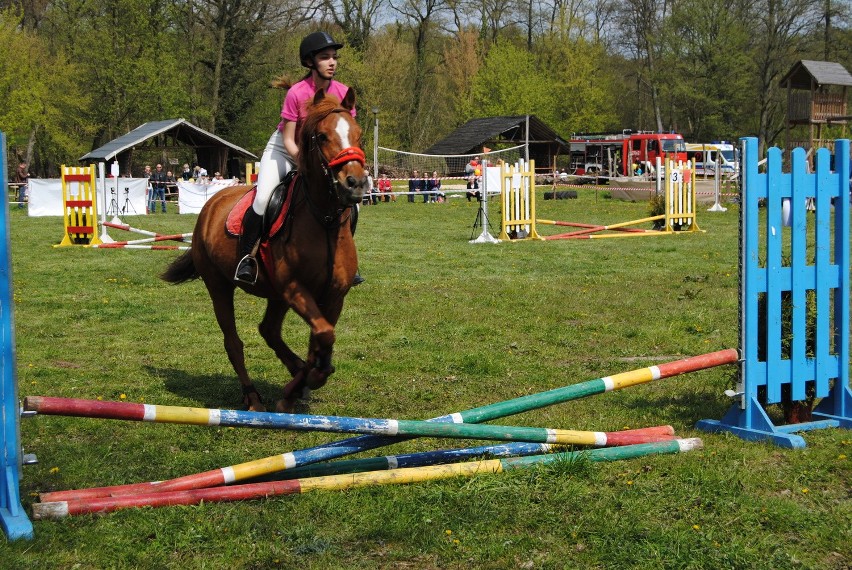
[[317, 378], [256, 408], [306, 394], [285, 406]]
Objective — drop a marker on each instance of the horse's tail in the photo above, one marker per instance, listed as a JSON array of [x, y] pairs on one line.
[[181, 270]]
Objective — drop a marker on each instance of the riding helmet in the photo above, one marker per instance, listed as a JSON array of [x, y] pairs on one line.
[[316, 42]]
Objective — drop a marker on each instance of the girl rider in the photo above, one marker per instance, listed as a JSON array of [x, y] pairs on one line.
[[317, 52]]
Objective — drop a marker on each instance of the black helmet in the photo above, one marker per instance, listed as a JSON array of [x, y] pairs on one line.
[[316, 42]]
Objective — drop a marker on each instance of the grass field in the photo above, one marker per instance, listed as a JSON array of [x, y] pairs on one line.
[[440, 326]]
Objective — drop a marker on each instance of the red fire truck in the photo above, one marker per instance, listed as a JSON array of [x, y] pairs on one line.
[[615, 154]]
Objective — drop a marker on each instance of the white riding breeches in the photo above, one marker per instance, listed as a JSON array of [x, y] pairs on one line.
[[275, 163]]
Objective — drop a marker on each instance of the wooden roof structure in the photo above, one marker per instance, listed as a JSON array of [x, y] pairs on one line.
[[496, 132], [817, 96], [169, 137]]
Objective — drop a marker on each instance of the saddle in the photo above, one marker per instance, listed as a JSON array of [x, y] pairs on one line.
[[276, 212]]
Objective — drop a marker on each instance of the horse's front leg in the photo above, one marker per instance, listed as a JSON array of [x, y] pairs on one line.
[[223, 307], [321, 344], [270, 330]]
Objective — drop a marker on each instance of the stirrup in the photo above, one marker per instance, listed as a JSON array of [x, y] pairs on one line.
[[246, 270]]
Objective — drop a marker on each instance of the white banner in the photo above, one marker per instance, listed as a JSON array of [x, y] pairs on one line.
[[45, 197], [192, 197]]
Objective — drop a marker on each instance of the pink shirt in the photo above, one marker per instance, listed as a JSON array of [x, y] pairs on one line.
[[300, 95]]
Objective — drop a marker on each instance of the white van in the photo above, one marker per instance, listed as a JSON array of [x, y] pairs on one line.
[[710, 156]]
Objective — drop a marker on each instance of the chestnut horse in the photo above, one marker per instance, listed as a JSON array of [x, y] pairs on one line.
[[312, 259]]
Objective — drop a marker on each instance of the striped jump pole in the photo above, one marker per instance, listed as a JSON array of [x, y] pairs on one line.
[[334, 424], [61, 509], [129, 228], [171, 237], [424, 458], [341, 448], [119, 245]]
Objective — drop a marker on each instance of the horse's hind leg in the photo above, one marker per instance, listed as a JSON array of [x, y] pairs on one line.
[[223, 307]]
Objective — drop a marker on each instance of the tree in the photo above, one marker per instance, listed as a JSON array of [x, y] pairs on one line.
[[422, 25], [708, 66], [45, 125], [781, 30], [356, 18]]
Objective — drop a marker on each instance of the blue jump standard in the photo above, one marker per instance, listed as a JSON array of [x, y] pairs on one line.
[[806, 367], [13, 519]]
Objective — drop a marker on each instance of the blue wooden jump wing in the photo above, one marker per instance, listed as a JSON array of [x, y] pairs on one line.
[[12, 516], [806, 358]]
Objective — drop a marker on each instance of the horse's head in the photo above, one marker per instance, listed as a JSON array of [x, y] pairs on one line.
[[331, 144]]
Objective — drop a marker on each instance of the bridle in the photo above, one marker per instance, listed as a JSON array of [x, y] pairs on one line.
[[348, 154]]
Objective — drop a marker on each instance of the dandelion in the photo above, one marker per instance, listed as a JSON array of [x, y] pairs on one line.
[[123, 397], [696, 527], [456, 541], [99, 398], [841, 456], [630, 481], [448, 532], [54, 470], [805, 491]]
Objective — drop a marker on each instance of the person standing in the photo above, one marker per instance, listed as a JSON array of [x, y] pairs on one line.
[[158, 188], [318, 53], [22, 177]]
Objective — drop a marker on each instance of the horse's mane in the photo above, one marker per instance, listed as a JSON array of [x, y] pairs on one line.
[[316, 113]]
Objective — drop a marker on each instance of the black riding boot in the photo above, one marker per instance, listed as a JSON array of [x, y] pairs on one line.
[[353, 223], [247, 267]]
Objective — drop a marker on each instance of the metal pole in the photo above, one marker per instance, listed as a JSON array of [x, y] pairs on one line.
[[376, 143]]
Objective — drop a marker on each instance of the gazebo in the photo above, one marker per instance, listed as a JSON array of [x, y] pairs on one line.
[[544, 144], [169, 139], [817, 96]]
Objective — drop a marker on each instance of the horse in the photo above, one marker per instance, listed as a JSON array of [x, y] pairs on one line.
[[311, 262]]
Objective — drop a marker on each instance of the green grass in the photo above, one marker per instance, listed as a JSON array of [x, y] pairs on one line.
[[440, 326]]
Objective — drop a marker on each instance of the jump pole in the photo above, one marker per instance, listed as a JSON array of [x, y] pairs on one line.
[[333, 450], [61, 509], [13, 518], [332, 424], [118, 245], [680, 201], [424, 458]]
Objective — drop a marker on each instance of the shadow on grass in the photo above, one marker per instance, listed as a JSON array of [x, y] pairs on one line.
[[683, 409], [214, 391]]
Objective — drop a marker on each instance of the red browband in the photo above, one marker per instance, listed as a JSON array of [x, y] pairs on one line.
[[347, 155]]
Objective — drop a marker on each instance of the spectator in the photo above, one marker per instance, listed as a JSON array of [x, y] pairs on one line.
[[373, 196], [158, 189], [146, 174], [384, 186], [472, 187], [433, 187], [22, 177], [186, 174], [171, 184], [218, 176], [472, 166], [415, 185]]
